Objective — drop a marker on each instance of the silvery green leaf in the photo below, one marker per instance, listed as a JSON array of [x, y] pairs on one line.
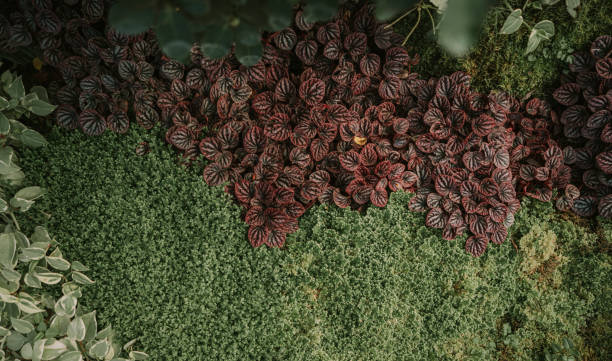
[[5, 125], [32, 138], [58, 326], [22, 326], [28, 306], [11, 275], [138, 355], [79, 267], [3, 103], [50, 278], [6, 297], [58, 263], [571, 6], [7, 158], [41, 235], [107, 332], [76, 329], [26, 351], [545, 29], [78, 277], [71, 288], [129, 344], [14, 341], [66, 306], [16, 90], [8, 246], [4, 331], [32, 253], [71, 356], [3, 206], [513, 22], [99, 349], [38, 349], [40, 107], [30, 193], [22, 240], [91, 325], [53, 348], [41, 92], [31, 281]]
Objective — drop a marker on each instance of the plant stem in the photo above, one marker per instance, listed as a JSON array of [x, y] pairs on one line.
[[400, 18], [15, 220], [413, 28], [433, 22]]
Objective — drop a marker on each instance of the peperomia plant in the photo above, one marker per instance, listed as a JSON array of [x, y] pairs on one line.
[[36, 324]]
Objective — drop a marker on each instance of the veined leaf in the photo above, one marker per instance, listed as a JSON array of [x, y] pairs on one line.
[[513, 22]]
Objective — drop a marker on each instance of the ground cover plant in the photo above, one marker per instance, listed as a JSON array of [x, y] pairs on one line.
[[35, 322], [377, 286]]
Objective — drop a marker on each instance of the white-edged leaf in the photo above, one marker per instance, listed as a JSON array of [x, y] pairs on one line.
[[71, 356], [58, 263], [22, 326], [99, 348], [76, 329], [53, 348], [28, 306], [79, 277], [8, 247], [138, 355], [50, 278], [513, 22], [32, 253]]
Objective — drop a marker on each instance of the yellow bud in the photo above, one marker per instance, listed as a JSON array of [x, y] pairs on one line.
[[360, 140], [37, 63]]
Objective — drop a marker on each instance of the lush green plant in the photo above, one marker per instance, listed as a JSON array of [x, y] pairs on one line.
[[566, 351], [34, 323], [543, 30], [347, 286]]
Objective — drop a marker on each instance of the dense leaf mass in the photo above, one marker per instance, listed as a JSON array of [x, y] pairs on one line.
[[332, 113], [585, 101]]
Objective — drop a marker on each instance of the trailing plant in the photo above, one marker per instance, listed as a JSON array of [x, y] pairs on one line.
[[543, 30], [585, 104], [34, 323]]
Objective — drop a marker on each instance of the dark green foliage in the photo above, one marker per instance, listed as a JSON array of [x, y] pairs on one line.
[[379, 286], [498, 61]]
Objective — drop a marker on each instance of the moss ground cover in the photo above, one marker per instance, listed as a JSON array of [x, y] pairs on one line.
[[498, 61], [173, 267]]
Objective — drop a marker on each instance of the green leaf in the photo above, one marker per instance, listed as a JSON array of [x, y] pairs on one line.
[[513, 22], [16, 90], [99, 349], [41, 92], [571, 6], [319, 10], [194, 8], [248, 55], [22, 326], [247, 34], [30, 193], [76, 329], [280, 14], [545, 29], [78, 277], [8, 247], [28, 306], [41, 235], [3, 206], [40, 107], [58, 263], [58, 326], [5, 124], [389, 9], [31, 281], [14, 341], [78, 266], [11, 275], [32, 253], [66, 305], [138, 355], [91, 325], [26, 351], [217, 41], [131, 17], [50, 278], [53, 348], [173, 34], [460, 27], [71, 356], [38, 349], [3, 103], [32, 138], [7, 156]]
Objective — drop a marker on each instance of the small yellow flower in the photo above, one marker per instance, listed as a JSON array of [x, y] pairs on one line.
[[37, 63], [360, 140]]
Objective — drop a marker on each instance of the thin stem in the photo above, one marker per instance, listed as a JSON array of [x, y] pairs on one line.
[[433, 22], [400, 18], [15, 220], [525, 6], [413, 28]]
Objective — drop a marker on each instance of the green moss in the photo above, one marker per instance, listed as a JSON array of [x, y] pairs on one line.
[[173, 267], [498, 61]]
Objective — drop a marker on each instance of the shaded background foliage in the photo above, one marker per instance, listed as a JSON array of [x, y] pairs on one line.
[[378, 286]]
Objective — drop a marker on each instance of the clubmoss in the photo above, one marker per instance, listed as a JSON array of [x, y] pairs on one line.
[[173, 267]]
